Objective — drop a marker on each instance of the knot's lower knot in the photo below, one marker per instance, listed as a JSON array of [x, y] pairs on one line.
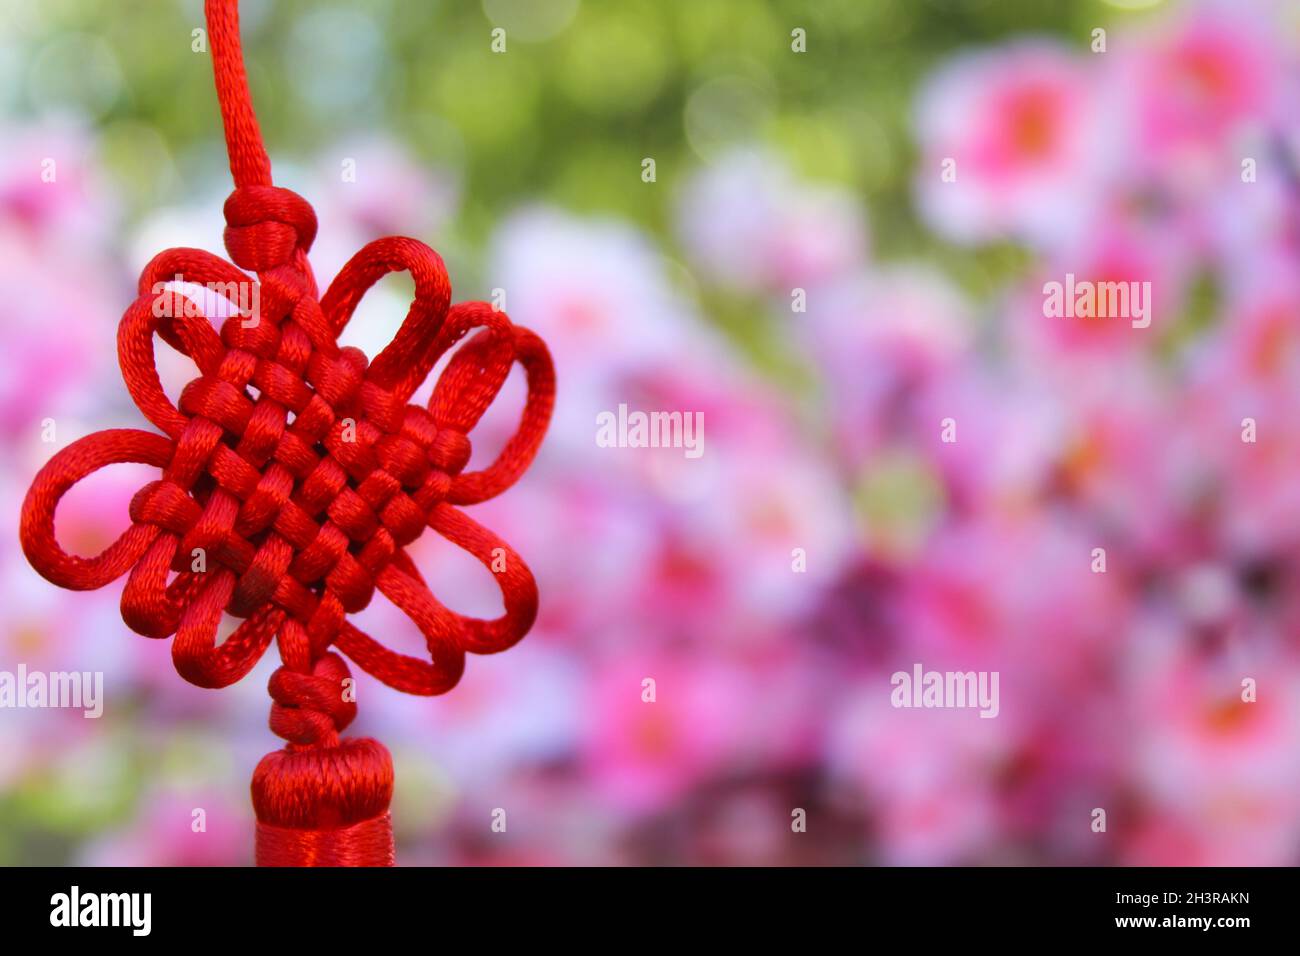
[[449, 451], [310, 709], [265, 225]]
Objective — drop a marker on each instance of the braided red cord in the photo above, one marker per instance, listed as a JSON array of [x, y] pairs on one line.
[[304, 493]]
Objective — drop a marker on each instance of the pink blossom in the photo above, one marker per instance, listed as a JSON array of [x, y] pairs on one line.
[[1213, 765], [1018, 129], [879, 340], [924, 775], [643, 755], [1188, 92], [167, 831], [748, 223], [51, 188]]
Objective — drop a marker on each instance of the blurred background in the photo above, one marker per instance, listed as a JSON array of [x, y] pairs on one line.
[[826, 537]]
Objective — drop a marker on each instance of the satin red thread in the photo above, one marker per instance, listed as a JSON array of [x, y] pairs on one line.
[[298, 472], [369, 843]]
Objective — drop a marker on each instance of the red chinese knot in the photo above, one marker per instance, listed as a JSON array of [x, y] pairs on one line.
[[300, 472]]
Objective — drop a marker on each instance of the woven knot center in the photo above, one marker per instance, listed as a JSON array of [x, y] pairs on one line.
[[295, 472]]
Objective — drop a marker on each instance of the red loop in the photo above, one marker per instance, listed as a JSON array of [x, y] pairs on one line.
[[406, 361], [81, 458]]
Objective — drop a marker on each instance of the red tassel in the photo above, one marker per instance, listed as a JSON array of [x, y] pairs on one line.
[[320, 801], [325, 806]]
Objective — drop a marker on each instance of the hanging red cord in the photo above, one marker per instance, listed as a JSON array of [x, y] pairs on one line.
[[289, 509]]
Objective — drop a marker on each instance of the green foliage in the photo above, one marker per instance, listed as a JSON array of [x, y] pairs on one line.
[[568, 117]]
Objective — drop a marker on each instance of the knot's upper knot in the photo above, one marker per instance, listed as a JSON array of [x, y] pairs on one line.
[[310, 709], [449, 451], [265, 225]]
